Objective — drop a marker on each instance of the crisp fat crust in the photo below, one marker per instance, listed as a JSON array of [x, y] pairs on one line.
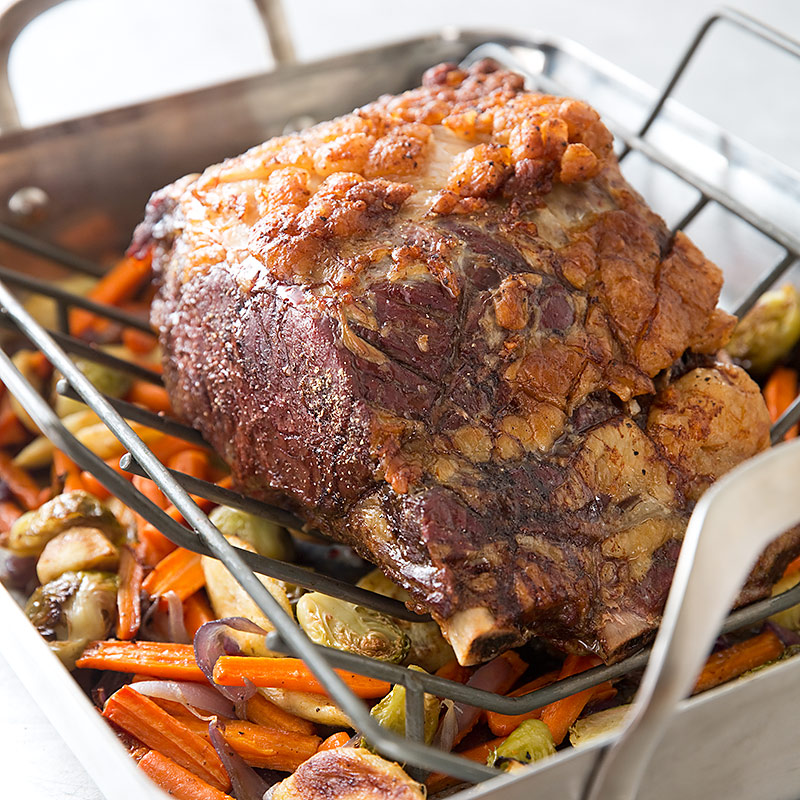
[[444, 329]]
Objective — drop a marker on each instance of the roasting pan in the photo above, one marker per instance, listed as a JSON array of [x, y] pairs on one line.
[[70, 195]]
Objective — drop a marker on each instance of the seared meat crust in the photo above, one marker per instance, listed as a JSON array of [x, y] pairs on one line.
[[445, 330]]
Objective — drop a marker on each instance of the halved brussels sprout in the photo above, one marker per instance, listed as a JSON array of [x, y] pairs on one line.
[[265, 537], [769, 330], [76, 549], [33, 530], [335, 623], [390, 712], [105, 379], [428, 647], [73, 610], [531, 741]]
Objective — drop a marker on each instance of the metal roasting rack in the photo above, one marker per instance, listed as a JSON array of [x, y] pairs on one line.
[[59, 346]]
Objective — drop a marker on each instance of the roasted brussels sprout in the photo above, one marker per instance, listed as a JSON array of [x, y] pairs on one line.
[[73, 610], [531, 741], [228, 599], [428, 648], [344, 626], [265, 537], [74, 550], [32, 531], [769, 330], [391, 711], [107, 380], [589, 728]]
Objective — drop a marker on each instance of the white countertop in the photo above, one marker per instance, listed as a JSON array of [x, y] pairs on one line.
[[151, 47]]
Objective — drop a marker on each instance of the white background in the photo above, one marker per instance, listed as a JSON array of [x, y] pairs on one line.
[[92, 54]]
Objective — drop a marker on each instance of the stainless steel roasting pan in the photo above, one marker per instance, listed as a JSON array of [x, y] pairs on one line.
[[71, 193]]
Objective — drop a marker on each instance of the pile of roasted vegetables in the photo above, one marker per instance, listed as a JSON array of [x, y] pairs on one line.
[[173, 651]]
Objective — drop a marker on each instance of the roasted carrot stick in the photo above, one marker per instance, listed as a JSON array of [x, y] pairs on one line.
[[453, 671], [92, 485], [779, 392], [129, 607], [263, 712], [157, 659], [118, 285], [10, 512], [560, 715], [12, 431], [480, 753], [288, 673], [67, 474], [19, 481], [139, 342], [177, 781], [262, 747], [738, 659], [794, 566], [180, 572], [150, 396], [153, 726], [152, 544], [335, 740], [504, 724], [191, 462], [196, 612]]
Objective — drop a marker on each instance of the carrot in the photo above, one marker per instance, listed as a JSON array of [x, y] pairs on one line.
[[119, 284], [510, 671], [153, 726], [147, 394], [93, 486], [157, 659], [263, 712], [196, 612], [288, 673], [779, 392], [334, 740], [129, 607], [559, 716], [453, 671], [738, 659], [504, 724], [267, 748], [139, 342], [181, 572], [152, 546], [150, 530], [480, 753], [19, 481], [177, 781], [191, 462], [794, 566], [10, 512], [67, 474], [12, 431]]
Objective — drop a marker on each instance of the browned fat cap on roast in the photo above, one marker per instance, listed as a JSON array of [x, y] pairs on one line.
[[446, 331]]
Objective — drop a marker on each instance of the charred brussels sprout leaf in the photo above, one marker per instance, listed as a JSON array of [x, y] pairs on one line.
[[265, 537], [769, 330], [344, 626], [32, 531], [73, 610], [531, 741]]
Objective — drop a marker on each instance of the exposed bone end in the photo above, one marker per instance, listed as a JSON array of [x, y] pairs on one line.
[[476, 636]]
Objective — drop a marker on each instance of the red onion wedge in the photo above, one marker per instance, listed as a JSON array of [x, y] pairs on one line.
[[212, 641], [246, 782], [193, 696]]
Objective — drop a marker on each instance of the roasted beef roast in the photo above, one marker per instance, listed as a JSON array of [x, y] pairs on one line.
[[445, 330]]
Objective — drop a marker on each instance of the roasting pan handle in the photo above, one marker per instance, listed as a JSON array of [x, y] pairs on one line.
[[732, 524], [21, 13]]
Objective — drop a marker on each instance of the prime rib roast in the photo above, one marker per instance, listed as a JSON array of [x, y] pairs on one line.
[[445, 330]]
